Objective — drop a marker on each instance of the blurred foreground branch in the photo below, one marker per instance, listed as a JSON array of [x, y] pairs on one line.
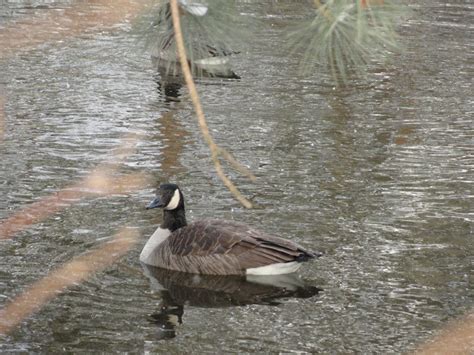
[[81, 16], [73, 272], [215, 150], [2, 116], [99, 182], [455, 339]]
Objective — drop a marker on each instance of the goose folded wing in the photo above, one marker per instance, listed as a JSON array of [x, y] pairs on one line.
[[231, 240]]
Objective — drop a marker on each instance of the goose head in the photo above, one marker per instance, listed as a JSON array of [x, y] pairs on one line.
[[170, 199]]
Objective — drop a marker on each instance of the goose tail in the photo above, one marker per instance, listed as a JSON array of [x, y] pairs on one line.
[[307, 255]]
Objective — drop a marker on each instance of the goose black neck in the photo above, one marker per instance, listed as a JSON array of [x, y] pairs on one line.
[[174, 219]]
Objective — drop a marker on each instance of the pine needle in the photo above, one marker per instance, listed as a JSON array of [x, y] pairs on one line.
[[343, 36]]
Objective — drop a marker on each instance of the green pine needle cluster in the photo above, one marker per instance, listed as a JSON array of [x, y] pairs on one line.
[[338, 36], [345, 35]]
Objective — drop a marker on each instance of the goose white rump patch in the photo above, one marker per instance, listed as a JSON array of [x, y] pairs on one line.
[[275, 269]]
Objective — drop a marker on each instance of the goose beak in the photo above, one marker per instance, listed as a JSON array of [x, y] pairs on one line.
[[156, 203]]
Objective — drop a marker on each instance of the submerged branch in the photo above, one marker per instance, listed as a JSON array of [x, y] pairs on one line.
[[215, 150]]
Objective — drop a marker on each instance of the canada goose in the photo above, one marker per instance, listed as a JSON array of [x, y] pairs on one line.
[[208, 60], [215, 247]]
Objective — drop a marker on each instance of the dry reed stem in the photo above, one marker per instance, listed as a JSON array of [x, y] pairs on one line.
[[69, 274], [215, 150], [455, 339]]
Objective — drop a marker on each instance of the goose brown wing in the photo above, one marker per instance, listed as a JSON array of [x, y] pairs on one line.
[[226, 245]]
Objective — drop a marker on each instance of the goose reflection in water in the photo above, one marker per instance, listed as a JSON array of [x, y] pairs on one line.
[[169, 91], [208, 291]]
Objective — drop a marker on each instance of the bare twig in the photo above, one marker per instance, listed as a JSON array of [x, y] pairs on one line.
[[239, 167], [73, 272], [215, 150]]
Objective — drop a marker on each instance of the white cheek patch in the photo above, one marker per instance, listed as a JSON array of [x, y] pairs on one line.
[[174, 202]]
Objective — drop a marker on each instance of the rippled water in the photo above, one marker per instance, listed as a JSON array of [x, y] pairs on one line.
[[379, 175]]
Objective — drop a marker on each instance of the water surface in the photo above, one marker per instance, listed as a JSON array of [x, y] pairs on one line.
[[378, 175]]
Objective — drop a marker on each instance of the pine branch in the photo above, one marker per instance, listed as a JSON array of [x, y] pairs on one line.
[[345, 35]]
